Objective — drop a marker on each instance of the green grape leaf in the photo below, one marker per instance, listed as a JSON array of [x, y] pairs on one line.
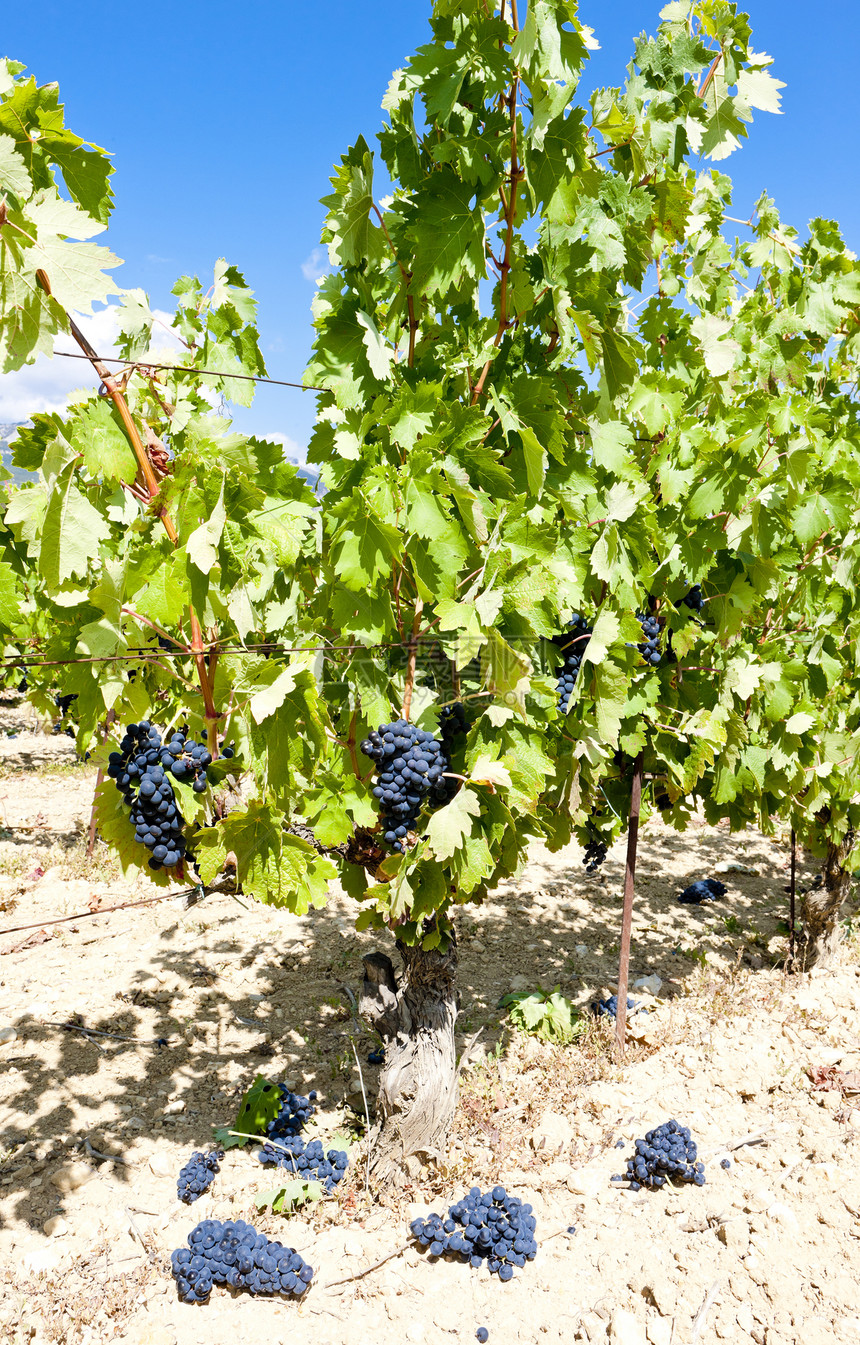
[[259, 1106]]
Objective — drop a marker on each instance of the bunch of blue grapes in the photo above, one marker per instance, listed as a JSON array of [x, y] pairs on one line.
[[495, 1227], [595, 854], [608, 1008], [573, 645], [667, 1153], [309, 1161], [706, 889], [62, 703], [294, 1112], [140, 770], [235, 1254], [198, 1175], [452, 723], [649, 647], [411, 765], [694, 599]]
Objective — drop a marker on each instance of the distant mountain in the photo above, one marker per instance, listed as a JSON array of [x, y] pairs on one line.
[[18, 473], [311, 476]]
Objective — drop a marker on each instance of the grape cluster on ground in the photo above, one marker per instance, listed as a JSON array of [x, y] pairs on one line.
[[608, 1008], [198, 1175], [667, 1153], [412, 766], [294, 1112], [235, 1254], [492, 1227], [140, 770], [705, 889], [308, 1161]]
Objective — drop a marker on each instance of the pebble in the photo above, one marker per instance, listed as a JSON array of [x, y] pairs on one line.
[[70, 1177], [651, 984], [55, 1227], [625, 1329], [659, 1331], [7, 1034]]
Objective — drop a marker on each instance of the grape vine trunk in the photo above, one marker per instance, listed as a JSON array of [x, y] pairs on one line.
[[415, 1015]]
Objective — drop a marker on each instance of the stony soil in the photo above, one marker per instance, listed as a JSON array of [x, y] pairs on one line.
[[93, 1130]]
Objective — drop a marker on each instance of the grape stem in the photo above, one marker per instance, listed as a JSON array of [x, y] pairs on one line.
[[152, 486], [413, 654]]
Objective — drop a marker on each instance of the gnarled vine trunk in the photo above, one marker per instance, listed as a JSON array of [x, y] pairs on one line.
[[415, 1017], [821, 905]]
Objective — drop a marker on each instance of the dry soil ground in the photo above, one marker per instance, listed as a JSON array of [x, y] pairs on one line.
[[94, 1129]]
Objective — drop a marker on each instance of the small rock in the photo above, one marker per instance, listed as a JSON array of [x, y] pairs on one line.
[[662, 1293], [781, 1214], [552, 1133], [174, 1107], [70, 1177], [520, 983], [160, 1165], [55, 1227], [625, 1329], [652, 984], [586, 1182], [478, 946], [659, 1331], [7, 1034], [735, 1235], [581, 949]]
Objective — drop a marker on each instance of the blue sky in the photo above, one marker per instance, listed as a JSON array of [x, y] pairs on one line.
[[225, 120]]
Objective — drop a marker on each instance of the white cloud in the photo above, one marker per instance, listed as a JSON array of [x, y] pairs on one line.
[[316, 264], [48, 384], [293, 450]]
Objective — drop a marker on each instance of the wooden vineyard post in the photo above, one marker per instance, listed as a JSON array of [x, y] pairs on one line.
[[792, 894], [627, 917]]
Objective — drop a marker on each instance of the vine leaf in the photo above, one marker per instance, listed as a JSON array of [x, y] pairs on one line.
[[71, 533], [448, 828]]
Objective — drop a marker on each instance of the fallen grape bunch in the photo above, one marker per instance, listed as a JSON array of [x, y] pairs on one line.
[[495, 1227], [608, 1008], [706, 889], [307, 1161], [140, 771], [412, 766], [667, 1153], [198, 1175], [237, 1255], [295, 1110]]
